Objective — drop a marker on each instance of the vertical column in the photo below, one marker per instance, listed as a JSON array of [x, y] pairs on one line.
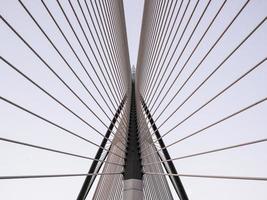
[[133, 184]]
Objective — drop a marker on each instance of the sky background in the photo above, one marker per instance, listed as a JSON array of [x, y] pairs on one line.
[[17, 125]]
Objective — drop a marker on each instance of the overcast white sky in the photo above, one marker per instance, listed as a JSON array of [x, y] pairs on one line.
[[17, 125]]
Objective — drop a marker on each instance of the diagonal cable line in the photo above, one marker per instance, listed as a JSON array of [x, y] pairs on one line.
[[97, 47], [215, 70], [182, 70], [115, 27], [158, 35], [91, 46], [111, 39], [114, 95], [56, 175], [159, 47], [99, 33], [109, 23], [55, 150], [210, 151], [214, 124], [79, 60], [105, 32], [208, 77], [210, 25], [144, 37], [117, 24], [84, 68], [115, 87], [218, 94], [184, 48], [146, 96], [43, 61], [54, 124], [248, 178], [61, 79], [151, 35], [59, 102], [212, 47], [94, 40], [179, 41], [151, 44]]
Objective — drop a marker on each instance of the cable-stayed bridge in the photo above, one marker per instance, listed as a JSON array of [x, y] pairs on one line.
[[187, 121]]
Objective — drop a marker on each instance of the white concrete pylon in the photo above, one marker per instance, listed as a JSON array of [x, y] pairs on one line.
[[133, 189]]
